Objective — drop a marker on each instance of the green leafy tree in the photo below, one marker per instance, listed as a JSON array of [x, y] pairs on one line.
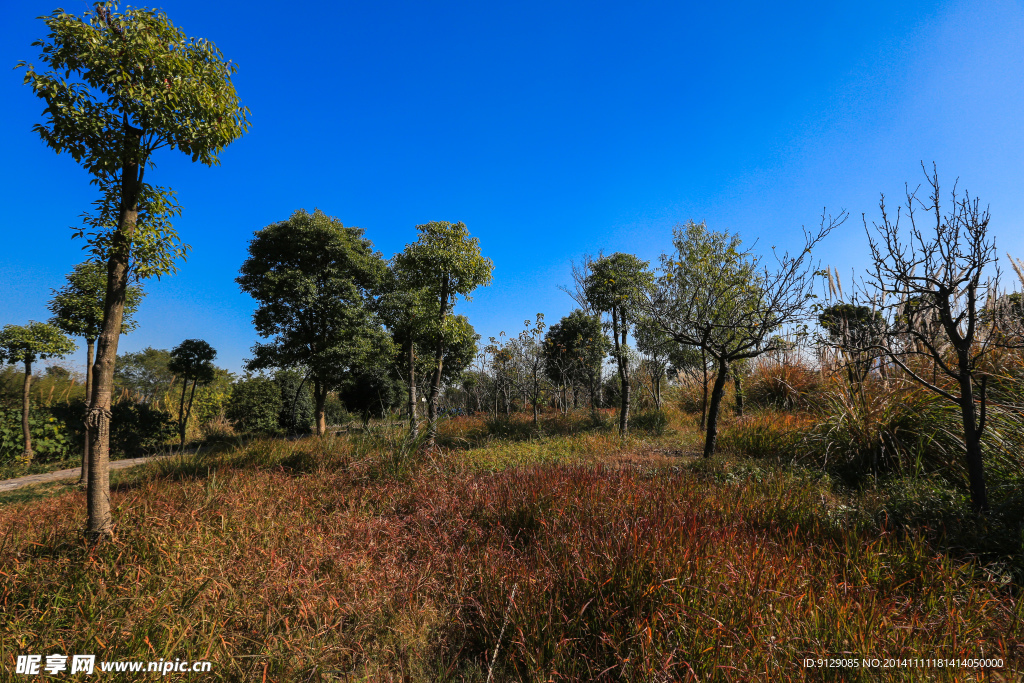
[[192, 361], [144, 373], [405, 310], [714, 296], [254, 405], [120, 86], [77, 309], [576, 347], [614, 285], [446, 262], [27, 344], [314, 280]]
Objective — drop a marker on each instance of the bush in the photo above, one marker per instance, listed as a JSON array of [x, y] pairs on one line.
[[651, 421], [255, 405], [782, 385], [50, 438], [334, 410], [296, 416], [136, 428]]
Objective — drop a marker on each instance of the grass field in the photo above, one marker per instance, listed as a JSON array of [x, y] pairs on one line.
[[565, 556]]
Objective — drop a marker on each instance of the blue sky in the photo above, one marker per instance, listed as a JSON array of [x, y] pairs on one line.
[[551, 129]]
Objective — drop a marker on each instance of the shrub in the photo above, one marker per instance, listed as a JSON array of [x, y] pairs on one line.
[[50, 438], [255, 405], [334, 410], [784, 385], [296, 416], [651, 421], [138, 427]]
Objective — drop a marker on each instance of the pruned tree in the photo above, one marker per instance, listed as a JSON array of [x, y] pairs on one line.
[[315, 280], [26, 344], [446, 262], [728, 302], [77, 309], [941, 269], [121, 86], [192, 361], [616, 285]]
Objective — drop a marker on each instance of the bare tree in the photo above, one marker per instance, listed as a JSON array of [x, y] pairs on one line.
[[934, 286]]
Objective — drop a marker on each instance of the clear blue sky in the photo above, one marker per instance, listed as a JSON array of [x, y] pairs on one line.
[[551, 129]]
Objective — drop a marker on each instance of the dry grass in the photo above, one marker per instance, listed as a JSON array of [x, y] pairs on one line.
[[357, 559]]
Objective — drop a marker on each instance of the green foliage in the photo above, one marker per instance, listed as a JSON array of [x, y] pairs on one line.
[[144, 373], [137, 428], [575, 348], [50, 437], [335, 412], [138, 66], [296, 414], [32, 342], [446, 262], [654, 422], [255, 405], [314, 280], [851, 325], [78, 306], [616, 283], [372, 392], [192, 360]]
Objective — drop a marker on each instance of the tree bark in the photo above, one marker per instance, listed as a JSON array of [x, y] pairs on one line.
[[738, 384], [90, 345], [623, 364], [26, 404], [704, 403], [414, 430], [188, 411], [100, 523], [711, 439], [972, 441], [181, 414], [319, 409], [435, 384]]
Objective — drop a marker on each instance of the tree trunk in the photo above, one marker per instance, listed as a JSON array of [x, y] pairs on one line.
[[711, 438], [972, 441], [90, 344], [25, 406], [738, 384], [98, 494], [188, 411], [704, 403], [623, 364], [536, 396], [181, 414], [414, 430], [435, 384], [319, 412]]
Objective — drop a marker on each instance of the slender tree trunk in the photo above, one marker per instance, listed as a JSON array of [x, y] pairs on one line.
[[738, 384], [26, 404], [536, 397], [90, 345], [623, 363], [188, 411], [435, 384], [414, 429], [181, 414], [100, 523], [972, 441], [711, 438], [319, 410], [704, 404]]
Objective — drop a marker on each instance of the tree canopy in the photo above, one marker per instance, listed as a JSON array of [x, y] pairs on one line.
[[314, 280]]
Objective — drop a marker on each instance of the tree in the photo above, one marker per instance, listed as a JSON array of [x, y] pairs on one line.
[[27, 344], [614, 285], [856, 331], [576, 347], [120, 87], [255, 404], [943, 271], [78, 311], [727, 302], [144, 373], [446, 262], [314, 280], [191, 360]]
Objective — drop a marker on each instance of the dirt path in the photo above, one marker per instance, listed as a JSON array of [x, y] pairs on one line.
[[73, 473]]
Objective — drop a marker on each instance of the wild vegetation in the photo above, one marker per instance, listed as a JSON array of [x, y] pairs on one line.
[[754, 469]]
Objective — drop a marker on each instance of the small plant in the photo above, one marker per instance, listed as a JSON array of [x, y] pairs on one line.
[[653, 422]]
